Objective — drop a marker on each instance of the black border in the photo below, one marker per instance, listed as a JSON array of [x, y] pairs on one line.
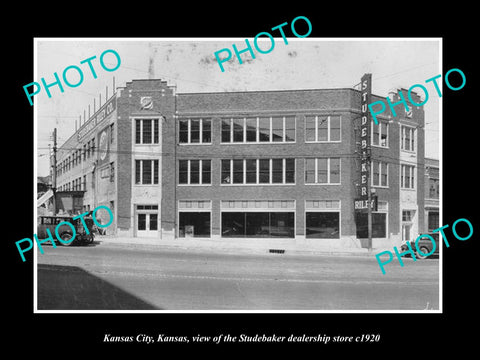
[[409, 333]]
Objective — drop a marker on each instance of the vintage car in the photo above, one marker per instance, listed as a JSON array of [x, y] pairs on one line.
[[425, 246], [65, 231]]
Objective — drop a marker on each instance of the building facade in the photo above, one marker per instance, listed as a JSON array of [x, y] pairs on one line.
[[277, 167]]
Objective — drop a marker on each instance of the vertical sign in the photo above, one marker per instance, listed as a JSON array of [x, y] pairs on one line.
[[366, 90]]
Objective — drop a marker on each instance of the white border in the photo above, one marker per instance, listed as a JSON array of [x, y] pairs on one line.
[[35, 143]]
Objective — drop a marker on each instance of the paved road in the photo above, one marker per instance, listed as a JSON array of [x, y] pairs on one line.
[[111, 276]]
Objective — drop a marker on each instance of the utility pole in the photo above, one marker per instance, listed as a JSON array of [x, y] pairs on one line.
[[54, 172]]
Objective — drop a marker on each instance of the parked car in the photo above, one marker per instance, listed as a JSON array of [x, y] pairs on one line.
[[425, 245], [65, 231]]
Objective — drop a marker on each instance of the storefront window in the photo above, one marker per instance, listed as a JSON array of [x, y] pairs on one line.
[[322, 225], [194, 224], [258, 224]]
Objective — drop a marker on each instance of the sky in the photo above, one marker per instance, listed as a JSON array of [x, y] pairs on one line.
[[190, 65]]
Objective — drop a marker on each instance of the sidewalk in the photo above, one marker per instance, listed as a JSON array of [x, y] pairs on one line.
[[235, 246]]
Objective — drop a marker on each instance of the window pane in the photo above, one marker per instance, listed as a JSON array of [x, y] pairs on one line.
[[155, 171], [334, 171], [195, 131], [147, 172], [322, 171], [183, 172], [277, 171], [277, 129], [183, 131], [194, 171], [384, 174], [407, 176], [238, 130], [384, 135], [137, 171], [310, 128], [322, 225], [290, 171], [251, 129], [257, 224], [206, 171], [238, 171], [147, 131], [282, 224], [309, 171], [264, 171], [407, 139], [206, 131], [153, 222], [334, 128], [137, 135], [155, 131], [142, 221], [233, 224], [264, 129], [322, 128], [290, 128], [376, 134], [226, 130], [251, 171], [226, 172], [194, 223]]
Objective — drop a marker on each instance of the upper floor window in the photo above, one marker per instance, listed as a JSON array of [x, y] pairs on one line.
[[258, 171], [258, 129], [322, 128], [146, 171], [379, 173], [195, 131], [194, 172], [407, 142], [322, 171], [146, 131], [407, 177], [380, 134]]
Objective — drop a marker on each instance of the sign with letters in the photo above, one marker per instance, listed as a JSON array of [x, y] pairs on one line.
[[366, 92]]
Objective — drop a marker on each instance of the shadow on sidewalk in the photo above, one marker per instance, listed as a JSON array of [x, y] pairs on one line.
[[72, 288]]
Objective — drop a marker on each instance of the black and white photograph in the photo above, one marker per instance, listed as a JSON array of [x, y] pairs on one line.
[[280, 184], [241, 184]]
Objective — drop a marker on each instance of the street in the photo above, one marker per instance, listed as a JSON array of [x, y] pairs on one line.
[[110, 276]]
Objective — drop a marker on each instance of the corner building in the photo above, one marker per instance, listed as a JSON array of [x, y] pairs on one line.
[[278, 168]]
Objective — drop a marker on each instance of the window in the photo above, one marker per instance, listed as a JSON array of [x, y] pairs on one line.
[[322, 171], [322, 128], [408, 138], [258, 224], [258, 171], [194, 172], [380, 134], [146, 131], [433, 188], [194, 224], [379, 225], [379, 173], [146, 172], [195, 131], [112, 172], [407, 177], [263, 129], [112, 132], [322, 225]]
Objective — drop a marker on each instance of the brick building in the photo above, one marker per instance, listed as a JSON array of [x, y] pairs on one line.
[[277, 167]]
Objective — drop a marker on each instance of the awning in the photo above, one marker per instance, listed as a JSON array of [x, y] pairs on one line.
[[44, 198]]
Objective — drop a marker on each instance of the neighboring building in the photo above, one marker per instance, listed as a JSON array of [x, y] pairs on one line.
[[432, 195], [279, 167]]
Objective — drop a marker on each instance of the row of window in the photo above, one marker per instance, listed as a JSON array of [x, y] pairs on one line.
[[318, 224], [83, 153], [81, 183], [275, 171], [277, 129]]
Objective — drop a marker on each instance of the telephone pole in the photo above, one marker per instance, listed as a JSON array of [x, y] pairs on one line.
[[54, 171]]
